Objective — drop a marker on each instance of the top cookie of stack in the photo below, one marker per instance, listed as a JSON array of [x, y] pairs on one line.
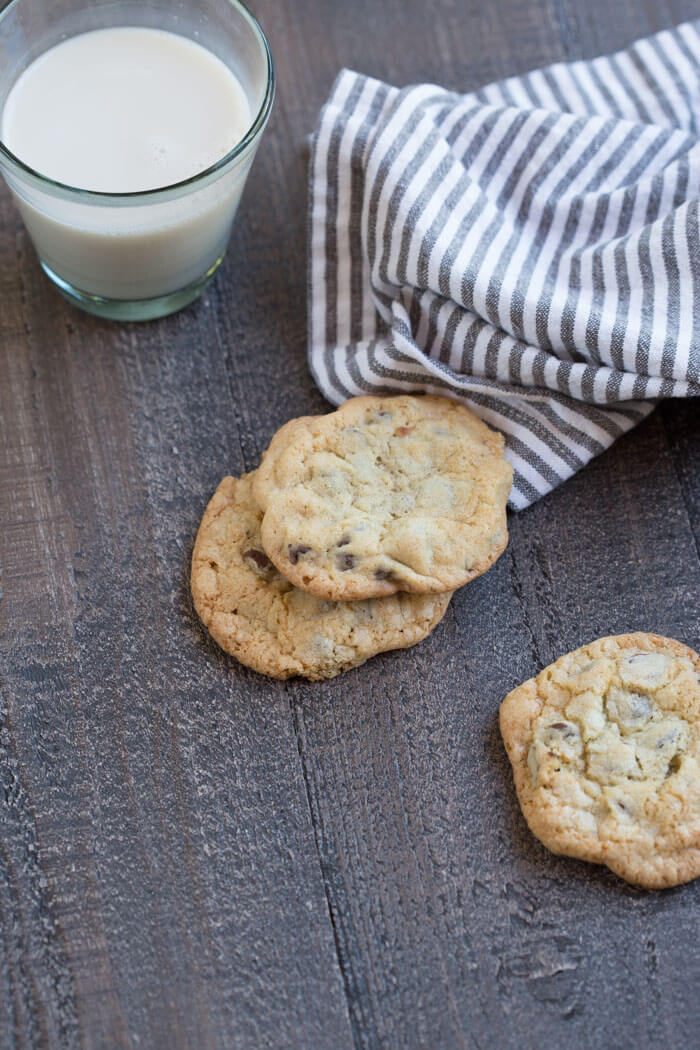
[[384, 495]]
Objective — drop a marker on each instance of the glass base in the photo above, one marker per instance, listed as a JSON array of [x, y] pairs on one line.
[[132, 309]]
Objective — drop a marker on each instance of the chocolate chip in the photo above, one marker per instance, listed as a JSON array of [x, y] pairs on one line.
[[343, 541], [259, 557], [383, 574], [346, 562], [567, 730], [295, 551]]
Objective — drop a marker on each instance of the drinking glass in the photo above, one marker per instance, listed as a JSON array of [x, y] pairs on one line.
[[136, 256]]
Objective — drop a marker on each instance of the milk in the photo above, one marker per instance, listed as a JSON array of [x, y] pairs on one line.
[[121, 111], [124, 110]]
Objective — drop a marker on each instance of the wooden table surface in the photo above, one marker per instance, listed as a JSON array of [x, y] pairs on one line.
[[193, 856]]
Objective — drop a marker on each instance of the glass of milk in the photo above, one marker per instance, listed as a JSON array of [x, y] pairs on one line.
[[127, 131]]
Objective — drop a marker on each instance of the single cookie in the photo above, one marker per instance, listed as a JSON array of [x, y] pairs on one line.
[[386, 494], [269, 625], [605, 749]]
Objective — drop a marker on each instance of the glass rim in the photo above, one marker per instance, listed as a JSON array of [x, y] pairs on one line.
[[135, 196]]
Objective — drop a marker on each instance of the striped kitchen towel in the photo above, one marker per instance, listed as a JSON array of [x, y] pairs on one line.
[[531, 248]]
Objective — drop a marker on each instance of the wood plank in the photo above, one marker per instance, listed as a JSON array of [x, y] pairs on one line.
[[159, 882], [680, 421]]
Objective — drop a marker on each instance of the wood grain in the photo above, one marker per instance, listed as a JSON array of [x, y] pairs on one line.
[[192, 856]]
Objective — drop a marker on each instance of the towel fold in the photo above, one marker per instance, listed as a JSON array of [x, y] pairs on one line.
[[531, 248]]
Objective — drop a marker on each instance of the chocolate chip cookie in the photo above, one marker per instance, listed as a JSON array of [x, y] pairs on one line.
[[255, 614], [386, 494], [605, 749]]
